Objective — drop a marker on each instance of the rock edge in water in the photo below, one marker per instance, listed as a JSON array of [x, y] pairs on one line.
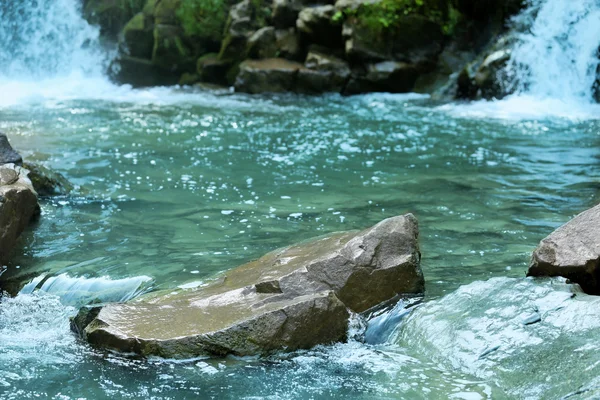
[[292, 298], [572, 251], [18, 206]]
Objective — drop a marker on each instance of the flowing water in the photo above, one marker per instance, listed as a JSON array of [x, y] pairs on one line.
[[176, 184]]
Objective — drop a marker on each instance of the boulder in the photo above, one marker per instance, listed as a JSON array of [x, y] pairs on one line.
[[18, 206], [293, 298], [47, 182], [318, 60], [288, 44], [386, 76], [572, 251], [211, 69], [137, 38], [490, 76], [8, 155], [414, 39], [269, 75], [528, 338], [285, 13], [111, 15], [245, 18], [262, 43], [140, 72], [325, 73], [170, 51], [317, 25]]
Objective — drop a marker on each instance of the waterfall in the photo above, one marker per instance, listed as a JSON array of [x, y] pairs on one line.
[[556, 53], [42, 39]]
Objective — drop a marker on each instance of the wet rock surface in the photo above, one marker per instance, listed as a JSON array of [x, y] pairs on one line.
[[291, 298], [532, 338], [572, 251], [47, 182], [18, 206]]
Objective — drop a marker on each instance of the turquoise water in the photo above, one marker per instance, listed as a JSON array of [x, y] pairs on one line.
[[176, 185]]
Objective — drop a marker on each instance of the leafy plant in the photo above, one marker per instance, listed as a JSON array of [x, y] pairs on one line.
[[386, 15], [205, 18]]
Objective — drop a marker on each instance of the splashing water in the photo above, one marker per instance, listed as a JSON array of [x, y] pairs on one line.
[[557, 54], [47, 38]]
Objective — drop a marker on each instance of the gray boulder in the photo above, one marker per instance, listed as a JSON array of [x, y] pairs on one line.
[[288, 44], [386, 76], [293, 298], [270, 75], [18, 206], [325, 73], [572, 251], [317, 25], [7, 153], [285, 13], [262, 43]]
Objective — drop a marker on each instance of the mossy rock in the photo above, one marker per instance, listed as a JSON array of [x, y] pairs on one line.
[[111, 15], [137, 39], [47, 182]]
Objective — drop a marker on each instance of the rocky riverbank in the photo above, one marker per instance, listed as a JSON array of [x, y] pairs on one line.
[[345, 46]]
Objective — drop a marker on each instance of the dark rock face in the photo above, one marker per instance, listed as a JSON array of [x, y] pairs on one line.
[[271, 75], [262, 43], [18, 206], [285, 13], [292, 298], [111, 15], [7, 153], [417, 41], [316, 24], [572, 251], [386, 76]]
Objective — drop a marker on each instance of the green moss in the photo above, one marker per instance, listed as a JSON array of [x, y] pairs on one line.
[[204, 18], [386, 15], [262, 12]]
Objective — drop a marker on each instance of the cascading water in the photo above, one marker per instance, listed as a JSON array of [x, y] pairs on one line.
[[47, 38], [556, 54], [49, 51]]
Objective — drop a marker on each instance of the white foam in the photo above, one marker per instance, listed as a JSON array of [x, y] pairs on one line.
[[524, 107]]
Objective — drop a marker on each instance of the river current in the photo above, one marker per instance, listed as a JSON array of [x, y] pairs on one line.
[[174, 185]]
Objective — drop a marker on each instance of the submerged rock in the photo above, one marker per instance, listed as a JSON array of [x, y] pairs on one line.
[[47, 182], [289, 299], [18, 206], [572, 251], [532, 338]]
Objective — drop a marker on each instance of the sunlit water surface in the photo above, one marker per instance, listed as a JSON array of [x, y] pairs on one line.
[[176, 185]]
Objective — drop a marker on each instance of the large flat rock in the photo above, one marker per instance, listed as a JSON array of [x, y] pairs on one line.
[[572, 251], [18, 206], [292, 298]]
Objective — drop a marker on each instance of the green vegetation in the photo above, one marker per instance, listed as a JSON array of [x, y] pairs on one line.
[[204, 18], [386, 15]]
